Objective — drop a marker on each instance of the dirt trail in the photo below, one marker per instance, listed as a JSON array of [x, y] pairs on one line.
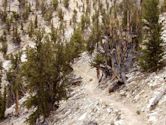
[[90, 83]]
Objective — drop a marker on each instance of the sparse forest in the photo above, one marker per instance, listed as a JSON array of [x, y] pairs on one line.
[[59, 58]]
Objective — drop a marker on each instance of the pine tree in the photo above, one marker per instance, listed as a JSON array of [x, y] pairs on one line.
[[163, 7], [15, 80], [77, 43], [4, 13], [127, 6], [16, 36], [97, 62], [2, 97], [43, 7], [66, 3], [55, 4], [5, 4], [2, 103], [3, 40], [31, 29], [37, 4], [60, 14], [85, 22], [151, 58], [95, 36], [48, 14], [46, 72], [26, 12], [53, 33], [74, 18]]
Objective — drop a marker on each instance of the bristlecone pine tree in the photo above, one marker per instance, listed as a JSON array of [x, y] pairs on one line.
[[15, 80], [66, 3], [46, 72], [55, 4], [2, 97], [163, 7], [2, 104], [3, 40], [77, 44], [152, 52]]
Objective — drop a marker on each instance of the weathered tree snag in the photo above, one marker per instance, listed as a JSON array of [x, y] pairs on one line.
[[98, 72], [156, 99], [17, 103], [118, 47]]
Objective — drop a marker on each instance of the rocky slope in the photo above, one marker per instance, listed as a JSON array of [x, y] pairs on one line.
[[90, 105], [132, 104]]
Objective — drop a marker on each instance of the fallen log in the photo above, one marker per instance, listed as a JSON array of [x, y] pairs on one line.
[[154, 101]]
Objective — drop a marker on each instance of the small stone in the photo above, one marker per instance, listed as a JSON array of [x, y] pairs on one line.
[[109, 110], [123, 93], [91, 80], [138, 112], [82, 117], [91, 123]]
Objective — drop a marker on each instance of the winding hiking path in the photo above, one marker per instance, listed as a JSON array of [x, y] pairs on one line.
[[90, 82]]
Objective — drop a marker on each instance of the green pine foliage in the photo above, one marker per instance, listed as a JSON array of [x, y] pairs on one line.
[[5, 4], [55, 4], [2, 104], [53, 34], [43, 7], [4, 13], [4, 48], [66, 3], [3, 41], [2, 97], [37, 4], [4, 16], [94, 38], [8, 24], [98, 60], [60, 14], [16, 16], [26, 12], [46, 72], [74, 18], [31, 29], [77, 44], [14, 78], [48, 14], [151, 58], [91, 43], [163, 7], [127, 8], [16, 36], [85, 22]]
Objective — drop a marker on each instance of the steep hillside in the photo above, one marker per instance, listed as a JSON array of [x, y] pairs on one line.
[[115, 92]]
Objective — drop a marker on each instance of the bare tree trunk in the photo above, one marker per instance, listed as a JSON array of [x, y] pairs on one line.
[[98, 72], [17, 103]]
